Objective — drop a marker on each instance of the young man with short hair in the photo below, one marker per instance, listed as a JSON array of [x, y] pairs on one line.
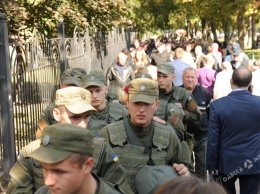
[[107, 112], [66, 155], [72, 106], [139, 140]]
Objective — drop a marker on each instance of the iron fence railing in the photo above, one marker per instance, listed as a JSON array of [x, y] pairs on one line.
[[33, 68]]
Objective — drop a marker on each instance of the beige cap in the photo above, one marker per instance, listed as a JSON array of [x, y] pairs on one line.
[[143, 90], [77, 100]]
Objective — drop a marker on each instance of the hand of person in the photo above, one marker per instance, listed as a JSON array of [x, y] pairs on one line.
[[155, 118], [180, 107], [181, 169]]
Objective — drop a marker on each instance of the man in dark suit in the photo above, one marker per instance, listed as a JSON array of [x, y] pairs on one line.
[[233, 150]]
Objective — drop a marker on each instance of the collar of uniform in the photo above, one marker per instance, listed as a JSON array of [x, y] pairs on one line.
[[164, 93], [101, 114], [139, 130], [97, 181]]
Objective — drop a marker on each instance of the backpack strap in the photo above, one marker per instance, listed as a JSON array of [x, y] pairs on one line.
[[131, 135]]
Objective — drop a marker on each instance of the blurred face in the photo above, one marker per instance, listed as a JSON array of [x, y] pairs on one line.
[[98, 96], [165, 81], [65, 176], [142, 113], [136, 44], [198, 50], [138, 55], [238, 58], [190, 79], [168, 48], [161, 48], [132, 54], [188, 48], [121, 59], [63, 115]]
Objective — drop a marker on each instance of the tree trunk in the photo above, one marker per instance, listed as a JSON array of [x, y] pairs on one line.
[[248, 35], [214, 30], [253, 32], [226, 29], [240, 26], [203, 26]]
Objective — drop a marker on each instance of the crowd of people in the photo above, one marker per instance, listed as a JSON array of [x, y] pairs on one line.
[[166, 117]]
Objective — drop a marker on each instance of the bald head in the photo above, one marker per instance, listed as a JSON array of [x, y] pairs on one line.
[[241, 77]]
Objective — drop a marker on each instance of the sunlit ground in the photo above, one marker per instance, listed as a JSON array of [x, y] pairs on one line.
[[253, 53]]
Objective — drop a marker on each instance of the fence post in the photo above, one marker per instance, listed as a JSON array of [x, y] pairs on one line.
[[8, 142], [61, 37]]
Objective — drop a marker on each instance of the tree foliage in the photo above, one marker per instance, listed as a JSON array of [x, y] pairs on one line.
[[24, 16], [43, 15]]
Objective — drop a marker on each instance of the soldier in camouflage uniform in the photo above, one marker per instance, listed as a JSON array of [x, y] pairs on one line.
[[73, 106], [178, 100], [66, 154], [68, 78], [107, 112], [139, 140]]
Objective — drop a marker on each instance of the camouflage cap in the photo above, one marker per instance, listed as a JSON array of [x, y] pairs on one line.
[[59, 141], [82, 71], [143, 75], [165, 68], [71, 78], [94, 78], [149, 178], [143, 90], [76, 99]]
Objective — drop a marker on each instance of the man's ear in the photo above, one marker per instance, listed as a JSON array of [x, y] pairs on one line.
[[106, 90], [173, 77], [88, 165], [127, 103], [231, 81], [56, 114]]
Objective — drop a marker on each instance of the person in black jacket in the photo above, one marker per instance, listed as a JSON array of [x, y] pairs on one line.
[[203, 99]]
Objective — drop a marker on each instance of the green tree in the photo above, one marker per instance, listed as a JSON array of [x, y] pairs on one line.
[[43, 15]]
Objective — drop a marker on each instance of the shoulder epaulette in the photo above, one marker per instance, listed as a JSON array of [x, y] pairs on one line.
[[178, 93], [160, 112], [117, 111], [161, 137], [117, 133]]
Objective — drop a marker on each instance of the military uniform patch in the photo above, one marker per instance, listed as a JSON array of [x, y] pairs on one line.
[[46, 140], [142, 88], [114, 157]]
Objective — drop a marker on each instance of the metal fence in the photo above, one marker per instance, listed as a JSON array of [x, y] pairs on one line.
[[30, 74]]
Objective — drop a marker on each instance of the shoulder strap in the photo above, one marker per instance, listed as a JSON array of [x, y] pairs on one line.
[[130, 134], [178, 93]]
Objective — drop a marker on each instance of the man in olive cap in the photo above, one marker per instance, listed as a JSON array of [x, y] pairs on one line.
[[179, 97], [72, 106], [107, 112], [71, 77], [139, 140], [66, 155]]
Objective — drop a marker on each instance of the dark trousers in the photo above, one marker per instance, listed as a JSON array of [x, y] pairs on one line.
[[248, 183], [200, 147]]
